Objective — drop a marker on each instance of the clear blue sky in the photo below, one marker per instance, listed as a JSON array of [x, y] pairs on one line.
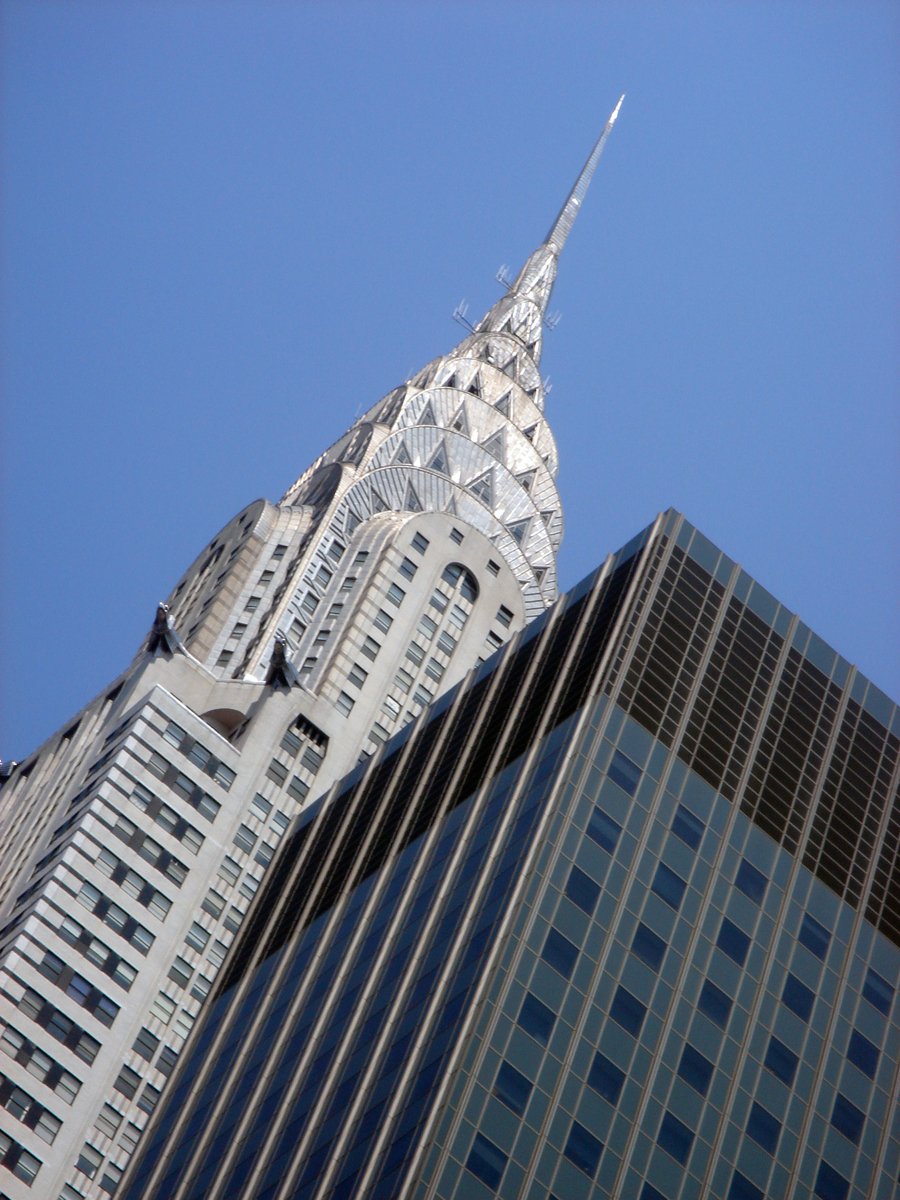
[[229, 227]]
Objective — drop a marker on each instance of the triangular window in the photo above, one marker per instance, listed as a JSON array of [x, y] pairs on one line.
[[482, 486], [412, 502], [427, 417], [439, 460], [452, 382], [502, 405], [539, 573], [530, 432], [379, 504], [475, 386], [494, 444], [526, 479], [451, 507], [459, 422], [547, 516], [351, 524], [402, 455], [509, 367], [519, 530]]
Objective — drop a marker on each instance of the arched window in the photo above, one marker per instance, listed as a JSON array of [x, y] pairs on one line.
[[462, 578]]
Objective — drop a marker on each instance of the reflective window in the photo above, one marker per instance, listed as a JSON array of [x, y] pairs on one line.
[[627, 1011], [878, 992], [781, 1061], [606, 1078], [764, 1128], [813, 936], [696, 1069], [624, 772], [714, 1003], [830, 1184], [687, 826], [742, 1189], [559, 952], [668, 886], [675, 1138], [863, 1053], [733, 941], [603, 829], [486, 1161], [798, 997], [536, 1018], [582, 890], [750, 881], [648, 946], [583, 1149], [512, 1087], [847, 1118]]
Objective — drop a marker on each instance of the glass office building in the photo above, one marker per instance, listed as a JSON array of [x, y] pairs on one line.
[[619, 917]]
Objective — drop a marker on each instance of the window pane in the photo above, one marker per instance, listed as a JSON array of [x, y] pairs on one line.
[[582, 890], [628, 1011], [798, 997], [486, 1161], [863, 1054], [751, 882], [878, 992], [648, 946], [675, 1138], [668, 886], [583, 1149], [733, 941], [606, 1078], [763, 1128], [687, 826], [624, 772], [847, 1118], [742, 1189], [781, 1061], [830, 1185], [559, 952], [813, 936], [536, 1018], [714, 1003], [512, 1087], [603, 829], [696, 1069]]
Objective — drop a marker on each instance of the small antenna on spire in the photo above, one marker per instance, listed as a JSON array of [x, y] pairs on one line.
[[459, 315], [504, 277]]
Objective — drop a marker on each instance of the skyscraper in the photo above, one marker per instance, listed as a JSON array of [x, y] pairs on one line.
[[301, 638], [621, 920]]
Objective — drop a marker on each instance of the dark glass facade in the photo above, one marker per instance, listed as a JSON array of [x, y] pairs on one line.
[[597, 928]]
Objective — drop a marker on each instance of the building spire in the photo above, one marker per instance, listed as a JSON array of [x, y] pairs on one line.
[[522, 309], [562, 226]]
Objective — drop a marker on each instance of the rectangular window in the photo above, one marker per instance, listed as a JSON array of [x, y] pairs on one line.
[[486, 1161], [146, 1044], [603, 830], [733, 941], [668, 886], [582, 890], [344, 703], [357, 676], [370, 647], [245, 838], [878, 992], [751, 882], [383, 620], [427, 626], [764, 1128], [420, 543], [687, 826], [626, 1010], [830, 1184], [197, 937], [415, 653], [648, 946], [781, 1061], [675, 1138], [813, 936], [695, 1069], [714, 1003], [347, 583], [504, 616], [456, 535], [446, 643], [583, 1149], [536, 1018], [395, 594], [863, 1053], [606, 1078], [261, 807], [847, 1119], [559, 952], [512, 1088], [798, 997], [336, 551], [624, 772], [408, 568], [493, 567]]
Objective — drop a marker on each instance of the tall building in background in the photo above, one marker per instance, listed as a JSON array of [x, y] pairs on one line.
[[304, 635], [621, 920]]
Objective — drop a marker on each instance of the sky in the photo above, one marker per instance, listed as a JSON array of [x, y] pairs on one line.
[[228, 228]]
